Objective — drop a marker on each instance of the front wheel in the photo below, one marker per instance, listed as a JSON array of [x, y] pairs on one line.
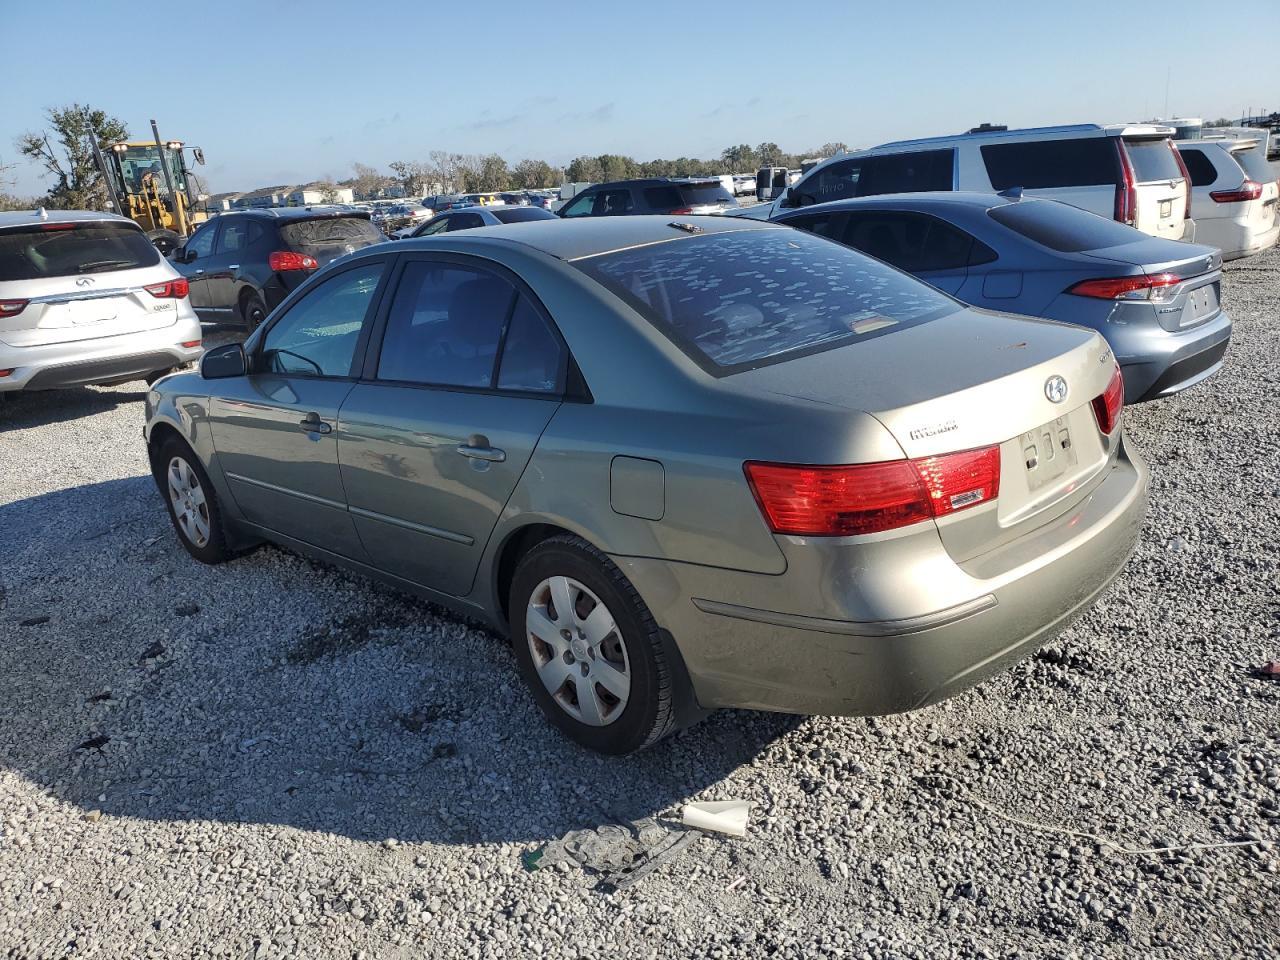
[[166, 241], [589, 649], [193, 504]]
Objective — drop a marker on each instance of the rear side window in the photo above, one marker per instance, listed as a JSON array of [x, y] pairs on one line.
[[1045, 164], [873, 176], [1060, 226], [1152, 160], [69, 249], [445, 326], [324, 234], [1201, 168], [740, 300], [239, 233], [702, 194], [531, 355], [661, 198], [1255, 165]]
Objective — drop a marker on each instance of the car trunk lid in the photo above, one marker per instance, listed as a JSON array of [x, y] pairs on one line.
[[1052, 454], [1195, 297]]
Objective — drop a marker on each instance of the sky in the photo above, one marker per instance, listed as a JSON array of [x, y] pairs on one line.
[[281, 91]]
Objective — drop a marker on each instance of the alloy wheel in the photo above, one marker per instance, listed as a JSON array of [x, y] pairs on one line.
[[578, 651], [189, 504]]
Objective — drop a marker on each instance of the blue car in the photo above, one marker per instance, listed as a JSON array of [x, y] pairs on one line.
[[1156, 301]]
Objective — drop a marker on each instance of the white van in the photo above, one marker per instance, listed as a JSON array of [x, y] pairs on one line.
[[1233, 195], [1130, 173]]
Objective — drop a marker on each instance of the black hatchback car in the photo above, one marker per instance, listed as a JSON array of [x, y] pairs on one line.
[[660, 195], [240, 265]]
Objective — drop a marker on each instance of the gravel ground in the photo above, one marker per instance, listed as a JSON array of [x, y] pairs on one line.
[[270, 758]]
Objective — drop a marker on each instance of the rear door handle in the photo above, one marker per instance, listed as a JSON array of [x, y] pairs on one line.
[[477, 448], [312, 423], [234, 266]]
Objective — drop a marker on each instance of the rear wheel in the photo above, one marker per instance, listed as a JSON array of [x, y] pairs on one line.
[[192, 502], [589, 648], [166, 241], [253, 310]]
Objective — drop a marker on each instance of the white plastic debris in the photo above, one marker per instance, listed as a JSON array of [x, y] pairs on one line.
[[718, 816]]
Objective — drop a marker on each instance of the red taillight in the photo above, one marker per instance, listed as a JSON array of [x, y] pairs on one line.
[[1126, 190], [1141, 287], [170, 289], [683, 210], [283, 260], [842, 501], [5, 373], [11, 308], [190, 344], [1108, 404], [1186, 179], [1250, 190]]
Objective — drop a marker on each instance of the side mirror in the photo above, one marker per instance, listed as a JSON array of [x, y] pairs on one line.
[[227, 360], [789, 199], [184, 255]]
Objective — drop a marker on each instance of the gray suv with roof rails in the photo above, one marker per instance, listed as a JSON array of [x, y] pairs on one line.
[[1130, 173]]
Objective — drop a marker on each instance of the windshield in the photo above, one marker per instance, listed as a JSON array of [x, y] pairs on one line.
[[740, 300], [1255, 165], [70, 249], [353, 232], [1060, 226], [1152, 160], [138, 161]]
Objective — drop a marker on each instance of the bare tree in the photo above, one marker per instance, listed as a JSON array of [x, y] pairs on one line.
[[78, 183], [367, 182]]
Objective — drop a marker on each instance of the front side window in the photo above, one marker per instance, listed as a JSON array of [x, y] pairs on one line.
[[1047, 164], [739, 300], [438, 225], [835, 181], [913, 242], [318, 336], [465, 221], [445, 326], [201, 242], [580, 206]]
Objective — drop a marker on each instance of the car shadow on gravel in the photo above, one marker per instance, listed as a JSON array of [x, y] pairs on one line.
[[135, 682], [20, 411]]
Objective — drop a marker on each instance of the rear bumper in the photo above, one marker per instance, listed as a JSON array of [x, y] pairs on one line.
[[109, 360], [1159, 363], [740, 654]]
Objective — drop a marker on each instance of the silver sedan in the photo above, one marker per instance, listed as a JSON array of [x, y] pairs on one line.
[[684, 463]]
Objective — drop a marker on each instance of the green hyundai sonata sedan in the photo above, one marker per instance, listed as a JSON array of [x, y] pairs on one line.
[[683, 463]]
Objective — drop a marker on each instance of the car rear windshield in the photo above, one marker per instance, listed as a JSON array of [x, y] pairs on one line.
[[700, 194], [68, 249], [1255, 165], [1062, 227], [522, 214], [1152, 160], [355, 232], [744, 299]]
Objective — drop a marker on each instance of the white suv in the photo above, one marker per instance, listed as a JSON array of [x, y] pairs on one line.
[[1130, 173], [1233, 195], [85, 298]]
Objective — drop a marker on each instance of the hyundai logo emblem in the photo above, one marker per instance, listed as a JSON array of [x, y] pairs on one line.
[[84, 282], [1055, 388]]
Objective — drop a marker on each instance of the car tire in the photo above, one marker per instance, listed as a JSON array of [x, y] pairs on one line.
[[155, 375], [253, 310], [192, 503], [166, 241], [567, 656]]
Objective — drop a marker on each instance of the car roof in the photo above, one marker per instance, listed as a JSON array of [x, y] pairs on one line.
[[301, 213], [591, 236], [920, 200], [1070, 130], [26, 218]]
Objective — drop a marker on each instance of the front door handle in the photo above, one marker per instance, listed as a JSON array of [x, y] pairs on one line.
[[477, 448], [312, 423], [234, 266], [199, 272]]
